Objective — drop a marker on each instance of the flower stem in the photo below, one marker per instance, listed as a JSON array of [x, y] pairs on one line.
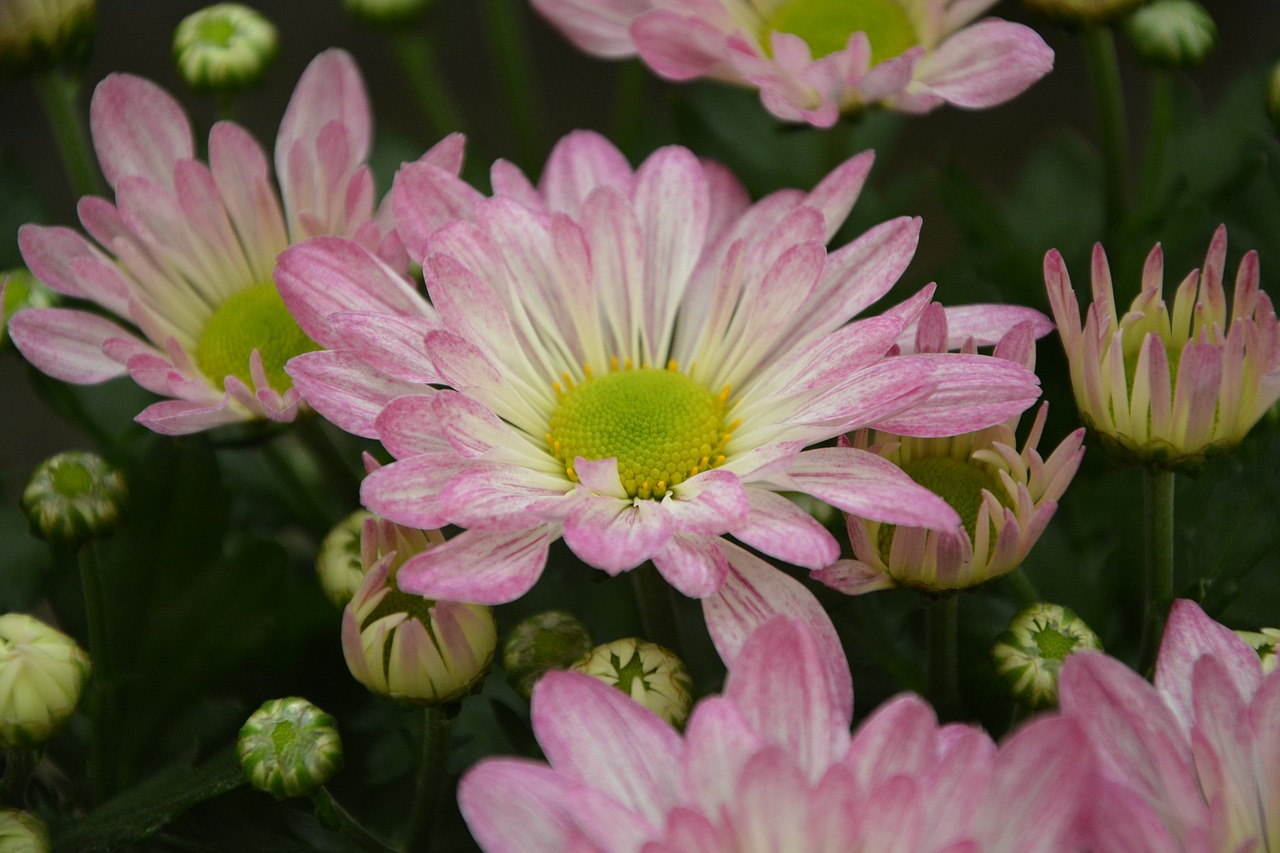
[[1100, 47], [942, 627], [1158, 133], [102, 709], [18, 764], [328, 458], [432, 778], [418, 59], [1157, 506], [509, 52], [58, 100], [627, 118], [657, 605], [332, 815], [1023, 588]]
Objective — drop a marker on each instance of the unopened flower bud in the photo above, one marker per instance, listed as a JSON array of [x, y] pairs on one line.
[[544, 641], [289, 747], [338, 565], [37, 35], [1082, 12], [1031, 650], [650, 674], [74, 496], [1265, 641], [389, 13], [1172, 33], [42, 674], [19, 289], [22, 832], [224, 48]]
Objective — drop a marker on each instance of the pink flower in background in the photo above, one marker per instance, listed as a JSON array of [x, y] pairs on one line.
[[1191, 763], [815, 59], [770, 766], [187, 250], [636, 362]]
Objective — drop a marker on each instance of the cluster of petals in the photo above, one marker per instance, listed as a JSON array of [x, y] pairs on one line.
[[669, 264], [1164, 386], [771, 765], [1007, 525], [183, 237], [953, 59], [1190, 763]]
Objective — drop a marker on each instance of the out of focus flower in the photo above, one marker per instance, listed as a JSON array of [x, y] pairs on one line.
[[1273, 96], [815, 59], [74, 496], [37, 35], [771, 766], [19, 289], [1083, 12], [650, 674], [338, 565], [1030, 652], [22, 832], [289, 747], [637, 361], [1168, 386], [190, 248], [1265, 643], [224, 48], [385, 12], [1005, 498], [1173, 33], [42, 673], [544, 641], [1191, 763]]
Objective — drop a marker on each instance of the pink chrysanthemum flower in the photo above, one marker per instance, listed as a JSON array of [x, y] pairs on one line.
[[1005, 497], [637, 362], [1170, 388], [815, 59], [1191, 763], [188, 248], [771, 766]]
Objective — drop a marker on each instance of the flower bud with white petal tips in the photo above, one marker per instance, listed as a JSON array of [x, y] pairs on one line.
[[544, 641], [19, 289], [1030, 651], [1172, 33], [388, 13], [22, 832], [1082, 12], [224, 48], [74, 496], [42, 674], [1265, 641], [37, 35], [289, 747], [650, 674], [338, 565]]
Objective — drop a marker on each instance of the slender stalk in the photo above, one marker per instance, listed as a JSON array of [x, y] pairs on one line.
[[1160, 128], [300, 492], [327, 457], [102, 708], [657, 605], [332, 815], [58, 96], [432, 778], [1157, 506], [1100, 47], [509, 53], [1023, 588], [942, 627], [418, 59], [18, 764]]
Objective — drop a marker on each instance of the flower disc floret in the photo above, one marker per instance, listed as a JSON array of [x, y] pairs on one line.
[[959, 482], [825, 25], [254, 318]]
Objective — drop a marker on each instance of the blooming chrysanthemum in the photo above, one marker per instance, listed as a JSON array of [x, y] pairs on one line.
[[188, 248], [1005, 498], [1170, 388], [1191, 763], [637, 362], [815, 59], [770, 766]]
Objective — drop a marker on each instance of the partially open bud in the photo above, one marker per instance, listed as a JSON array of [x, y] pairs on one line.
[[338, 565], [1031, 650], [388, 13], [544, 641], [1172, 33], [37, 35], [1265, 641], [650, 674], [74, 496], [289, 747], [224, 48], [42, 674], [19, 289], [22, 832]]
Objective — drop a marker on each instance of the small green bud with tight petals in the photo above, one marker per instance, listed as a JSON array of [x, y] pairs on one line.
[[22, 832], [1082, 12], [1265, 642], [289, 747], [74, 496], [42, 674], [38, 35], [338, 565], [386, 13], [1031, 650], [1172, 33], [19, 289], [224, 48], [651, 675], [542, 642]]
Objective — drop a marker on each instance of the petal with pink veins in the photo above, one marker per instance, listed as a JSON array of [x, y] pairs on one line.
[[479, 566]]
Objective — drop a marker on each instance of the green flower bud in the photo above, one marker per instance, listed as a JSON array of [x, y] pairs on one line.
[[1082, 12], [338, 566], [19, 289], [1265, 642], [544, 641], [42, 674], [224, 48], [1031, 650], [1172, 33], [37, 35], [74, 496], [289, 747], [22, 832], [650, 674], [388, 13]]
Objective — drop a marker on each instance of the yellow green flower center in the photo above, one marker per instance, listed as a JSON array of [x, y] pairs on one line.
[[254, 317], [956, 481], [1054, 645], [217, 31], [825, 25], [661, 425]]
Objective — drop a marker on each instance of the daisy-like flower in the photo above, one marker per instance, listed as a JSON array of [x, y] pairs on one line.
[[771, 765], [187, 249], [637, 362], [1170, 388], [1191, 763], [1004, 497], [815, 59]]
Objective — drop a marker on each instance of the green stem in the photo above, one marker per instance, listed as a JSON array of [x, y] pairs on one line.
[[418, 59], [332, 815], [1158, 133], [656, 602], [18, 764], [1100, 48], [431, 780], [1023, 588], [628, 116], [301, 493], [328, 458], [1157, 506], [58, 96], [942, 627], [509, 52], [102, 708]]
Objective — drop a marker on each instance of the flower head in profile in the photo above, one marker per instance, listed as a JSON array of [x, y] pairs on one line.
[[1170, 385], [1191, 762], [1005, 497], [636, 362], [184, 256], [815, 59]]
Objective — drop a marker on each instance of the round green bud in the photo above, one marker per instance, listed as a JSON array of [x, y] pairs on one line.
[[22, 832], [1265, 641], [38, 35], [386, 13], [224, 48], [650, 674], [19, 289], [1172, 33], [338, 565], [289, 747], [1030, 652], [1082, 12], [74, 496], [42, 674], [544, 641]]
